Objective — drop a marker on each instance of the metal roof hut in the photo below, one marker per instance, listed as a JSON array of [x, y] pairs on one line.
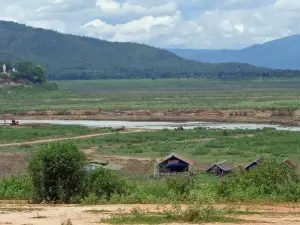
[[289, 164], [220, 169], [256, 162], [103, 164], [173, 164]]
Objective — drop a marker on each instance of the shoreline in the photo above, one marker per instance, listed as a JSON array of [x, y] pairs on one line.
[[289, 117]]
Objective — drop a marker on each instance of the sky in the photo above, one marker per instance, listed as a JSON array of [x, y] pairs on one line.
[[201, 24]]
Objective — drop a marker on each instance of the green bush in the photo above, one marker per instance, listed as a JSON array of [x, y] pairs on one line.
[[270, 180], [57, 172], [105, 183], [181, 186], [91, 199], [63, 112]]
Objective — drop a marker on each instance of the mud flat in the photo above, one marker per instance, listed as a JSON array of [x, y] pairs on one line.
[[271, 116]]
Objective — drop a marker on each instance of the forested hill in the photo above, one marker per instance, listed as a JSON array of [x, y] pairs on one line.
[[67, 56]]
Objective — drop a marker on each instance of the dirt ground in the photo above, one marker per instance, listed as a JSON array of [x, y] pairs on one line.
[[13, 163], [82, 215]]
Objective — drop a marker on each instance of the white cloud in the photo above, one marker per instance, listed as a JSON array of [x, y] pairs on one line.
[[141, 30], [293, 5], [112, 7]]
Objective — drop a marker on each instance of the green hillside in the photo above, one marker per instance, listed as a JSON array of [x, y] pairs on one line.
[[72, 57]]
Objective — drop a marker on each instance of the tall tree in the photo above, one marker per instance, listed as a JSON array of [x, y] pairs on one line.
[[57, 172]]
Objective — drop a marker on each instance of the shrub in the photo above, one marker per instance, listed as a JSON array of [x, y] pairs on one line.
[[104, 183], [91, 199], [67, 222], [63, 112], [57, 172], [180, 185], [271, 180], [195, 212]]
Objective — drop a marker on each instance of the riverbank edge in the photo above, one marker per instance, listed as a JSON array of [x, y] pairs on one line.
[[289, 117]]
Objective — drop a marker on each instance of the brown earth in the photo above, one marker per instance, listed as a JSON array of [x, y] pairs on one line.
[[83, 215], [13, 163], [279, 116]]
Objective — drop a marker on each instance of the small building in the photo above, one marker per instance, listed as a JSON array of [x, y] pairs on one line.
[[220, 169], [103, 164], [256, 162], [289, 164], [173, 164]]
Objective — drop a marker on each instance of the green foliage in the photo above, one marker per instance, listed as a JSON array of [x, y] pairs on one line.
[[270, 180], [181, 186], [73, 57], [30, 72], [90, 199], [192, 213], [15, 187], [57, 172], [105, 183]]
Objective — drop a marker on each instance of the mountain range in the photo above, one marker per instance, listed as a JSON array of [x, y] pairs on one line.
[[278, 54], [68, 56]]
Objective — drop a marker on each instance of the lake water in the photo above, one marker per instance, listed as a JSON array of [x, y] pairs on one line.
[[161, 125]]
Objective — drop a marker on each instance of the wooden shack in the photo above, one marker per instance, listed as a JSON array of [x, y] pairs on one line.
[[173, 164], [289, 164], [220, 169], [255, 163]]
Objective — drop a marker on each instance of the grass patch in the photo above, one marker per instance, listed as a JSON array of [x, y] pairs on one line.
[[157, 94], [191, 214], [246, 212], [11, 134], [97, 211]]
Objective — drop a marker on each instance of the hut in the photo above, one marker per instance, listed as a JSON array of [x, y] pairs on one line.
[[289, 164], [173, 164], [220, 169], [253, 164], [102, 164]]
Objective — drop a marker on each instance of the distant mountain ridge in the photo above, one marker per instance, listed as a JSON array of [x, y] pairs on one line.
[[72, 57], [282, 53]]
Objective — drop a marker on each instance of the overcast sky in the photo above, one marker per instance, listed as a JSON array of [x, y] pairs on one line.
[[163, 23]]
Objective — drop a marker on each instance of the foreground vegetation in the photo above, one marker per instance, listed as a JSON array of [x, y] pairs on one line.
[[193, 213], [270, 182]]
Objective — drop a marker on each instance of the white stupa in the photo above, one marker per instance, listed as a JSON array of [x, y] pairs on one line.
[[4, 68]]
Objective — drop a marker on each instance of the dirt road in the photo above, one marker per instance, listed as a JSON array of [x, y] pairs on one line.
[[90, 215], [68, 138]]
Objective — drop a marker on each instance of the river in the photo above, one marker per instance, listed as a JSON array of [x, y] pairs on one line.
[[161, 125]]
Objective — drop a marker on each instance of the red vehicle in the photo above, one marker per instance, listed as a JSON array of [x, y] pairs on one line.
[[14, 122]]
